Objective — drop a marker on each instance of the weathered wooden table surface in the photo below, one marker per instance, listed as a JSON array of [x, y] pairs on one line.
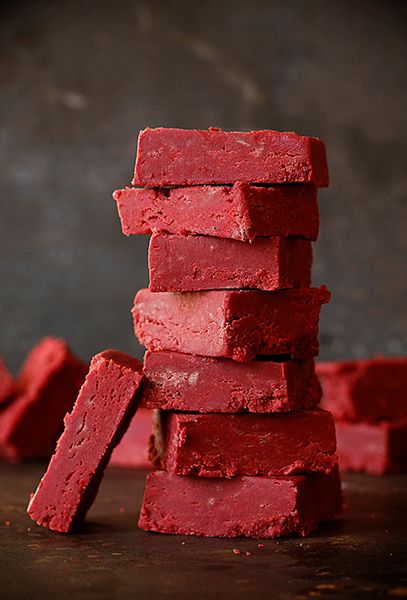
[[362, 555]]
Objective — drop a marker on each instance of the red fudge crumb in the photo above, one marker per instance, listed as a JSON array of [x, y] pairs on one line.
[[132, 451], [6, 383], [236, 551], [261, 545], [102, 412], [241, 211], [45, 390], [192, 157]]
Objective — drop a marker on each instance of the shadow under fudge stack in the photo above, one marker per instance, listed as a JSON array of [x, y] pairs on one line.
[[230, 323]]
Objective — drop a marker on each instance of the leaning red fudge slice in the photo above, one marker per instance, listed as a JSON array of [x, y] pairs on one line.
[[132, 451], [259, 507], [372, 389], [46, 388], [373, 448], [197, 262], [176, 381], [230, 324], [193, 157], [7, 383], [241, 211], [226, 445], [101, 415]]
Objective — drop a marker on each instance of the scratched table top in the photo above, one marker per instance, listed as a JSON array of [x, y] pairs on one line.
[[363, 554]]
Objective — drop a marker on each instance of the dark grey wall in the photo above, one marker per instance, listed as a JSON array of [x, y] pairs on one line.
[[79, 79]]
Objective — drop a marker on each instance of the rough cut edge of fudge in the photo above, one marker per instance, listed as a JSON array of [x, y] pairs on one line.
[[7, 383], [227, 445], [177, 381], [45, 389], [367, 389], [197, 262], [132, 451], [373, 448], [240, 211], [182, 157], [258, 507], [231, 323], [103, 410]]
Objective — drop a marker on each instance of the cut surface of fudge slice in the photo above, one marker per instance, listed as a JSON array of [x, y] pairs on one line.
[[102, 412], [373, 448], [197, 262], [45, 390], [226, 445], [194, 157], [230, 324], [259, 507], [177, 381], [7, 383], [132, 452], [241, 211], [368, 389]]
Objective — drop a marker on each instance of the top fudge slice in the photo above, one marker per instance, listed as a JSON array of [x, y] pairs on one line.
[[194, 157], [241, 211], [231, 324], [370, 389]]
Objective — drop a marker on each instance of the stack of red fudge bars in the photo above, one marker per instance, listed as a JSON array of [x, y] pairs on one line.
[[231, 327]]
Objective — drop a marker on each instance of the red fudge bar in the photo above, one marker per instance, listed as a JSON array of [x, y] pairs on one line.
[[374, 448], [230, 324], [259, 507], [242, 211], [192, 157], [357, 390], [132, 451], [221, 445], [100, 417], [196, 262], [176, 381], [6, 383], [46, 389]]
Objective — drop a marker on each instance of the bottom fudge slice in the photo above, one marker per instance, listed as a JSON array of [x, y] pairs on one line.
[[6, 383], [100, 417], [260, 507], [230, 324], [226, 445], [373, 448], [132, 451], [176, 381], [46, 388]]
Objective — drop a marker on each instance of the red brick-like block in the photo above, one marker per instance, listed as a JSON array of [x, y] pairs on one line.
[[46, 388], [373, 389], [259, 507], [196, 262], [241, 211], [100, 417], [373, 448], [226, 445], [7, 383], [194, 157], [176, 381], [231, 324], [132, 452]]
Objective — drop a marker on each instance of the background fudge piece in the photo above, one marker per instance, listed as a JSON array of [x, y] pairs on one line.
[[6, 383], [176, 381], [241, 211], [357, 390], [100, 417], [132, 451], [226, 445], [193, 157], [196, 262], [257, 507], [230, 324], [374, 448], [46, 388]]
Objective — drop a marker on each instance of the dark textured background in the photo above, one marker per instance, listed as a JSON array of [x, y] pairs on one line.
[[79, 79]]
